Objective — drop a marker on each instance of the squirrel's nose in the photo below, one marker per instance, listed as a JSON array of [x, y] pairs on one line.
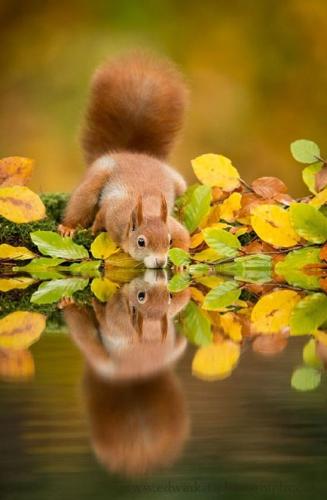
[[161, 261]]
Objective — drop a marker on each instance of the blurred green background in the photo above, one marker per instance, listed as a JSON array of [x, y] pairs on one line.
[[257, 72]]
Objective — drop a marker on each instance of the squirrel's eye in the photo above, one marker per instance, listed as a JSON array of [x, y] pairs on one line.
[[141, 241], [141, 297]]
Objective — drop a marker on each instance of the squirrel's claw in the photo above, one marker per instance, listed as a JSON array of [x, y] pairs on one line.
[[65, 230], [65, 302]]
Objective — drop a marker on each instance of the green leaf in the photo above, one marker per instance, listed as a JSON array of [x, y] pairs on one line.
[[251, 268], [178, 256], [43, 268], [309, 314], [197, 207], [225, 243], [305, 151], [222, 296], [308, 222], [305, 378], [51, 243], [103, 288], [179, 282], [89, 269], [53, 291], [292, 268], [182, 200], [196, 325], [198, 269], [309, 175], [309, 354]]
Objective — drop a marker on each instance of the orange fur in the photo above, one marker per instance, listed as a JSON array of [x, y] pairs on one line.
[[135, 110], [136, 408], [136, 104]]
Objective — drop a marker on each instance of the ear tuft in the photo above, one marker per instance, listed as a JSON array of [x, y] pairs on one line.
[[163, 209], [137, 214]]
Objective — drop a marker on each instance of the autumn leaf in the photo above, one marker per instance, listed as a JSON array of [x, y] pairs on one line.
[[207, 255], [178, 256], [103, 288], [309, 175], [231, 326], [55, 245], [103, 246], [308, 222], [52, 291], [309, 314], [268, 187], [321, 178], [121, 259], [293, 268], [216, 170], [309, 355], [269, 345], [16, 365], [15, 253], [216, 361], [230, 207], [19, 204], [7, 284], [15, 171], [320, 199], [20, 329], [272, 312], [272, 224]]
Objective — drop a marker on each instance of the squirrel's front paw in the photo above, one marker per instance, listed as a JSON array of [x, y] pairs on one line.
[[65, 230]]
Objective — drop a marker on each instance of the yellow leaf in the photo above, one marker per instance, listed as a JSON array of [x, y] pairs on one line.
[[241, 231], [321, 336], [230, 207], [196, 240], [15, 253], [216, 361], [20, 329], [19, 204], [272, 224], [216, 170], [212, 217], [103, 288], [16, 365], [196, 294], [207, 255], [7, 284], [15, 171], [122, 259], [210, 281], [231, 326], [320, 199], [103, 246], [272, 312]]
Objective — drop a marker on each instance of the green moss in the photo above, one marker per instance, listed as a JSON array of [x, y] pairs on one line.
[[55, 204]]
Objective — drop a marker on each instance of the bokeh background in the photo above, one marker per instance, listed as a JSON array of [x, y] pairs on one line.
[[256, 68]]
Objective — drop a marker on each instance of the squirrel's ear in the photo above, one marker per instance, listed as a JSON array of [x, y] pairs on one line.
[[164, 327], [164, 209], [137, 214]]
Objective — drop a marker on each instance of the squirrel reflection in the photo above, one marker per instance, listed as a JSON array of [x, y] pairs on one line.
[[136, 407]]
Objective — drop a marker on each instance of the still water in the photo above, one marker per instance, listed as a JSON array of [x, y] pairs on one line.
[[114, 411]]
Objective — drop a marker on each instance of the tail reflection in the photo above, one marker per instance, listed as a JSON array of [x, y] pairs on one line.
[[136, 407]]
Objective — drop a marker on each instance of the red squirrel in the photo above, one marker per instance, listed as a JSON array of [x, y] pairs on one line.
[[135, 110]]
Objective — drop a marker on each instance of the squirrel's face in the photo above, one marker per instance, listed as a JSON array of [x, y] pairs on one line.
[[148, 237]]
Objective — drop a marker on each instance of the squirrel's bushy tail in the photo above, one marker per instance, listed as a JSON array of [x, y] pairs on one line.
[[136, 104]]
